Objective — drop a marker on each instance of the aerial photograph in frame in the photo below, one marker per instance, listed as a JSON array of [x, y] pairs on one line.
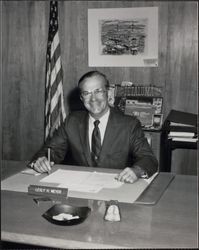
[[123, 37]]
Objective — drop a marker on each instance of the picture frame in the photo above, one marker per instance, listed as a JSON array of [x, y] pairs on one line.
[[119, 37], [157, 120]]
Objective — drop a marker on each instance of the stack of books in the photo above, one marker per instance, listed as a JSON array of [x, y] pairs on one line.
[[144, 102], [182, 126], [138, 90], [182, 136]]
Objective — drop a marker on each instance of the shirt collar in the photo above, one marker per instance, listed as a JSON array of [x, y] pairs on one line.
[[102, 119]]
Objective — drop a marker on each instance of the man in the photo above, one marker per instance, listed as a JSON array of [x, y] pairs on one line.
[[120, 142]]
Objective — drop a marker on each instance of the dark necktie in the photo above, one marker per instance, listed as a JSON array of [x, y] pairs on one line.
[[96, 143]]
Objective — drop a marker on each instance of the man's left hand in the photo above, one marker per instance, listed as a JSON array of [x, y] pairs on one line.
[[127, 175]]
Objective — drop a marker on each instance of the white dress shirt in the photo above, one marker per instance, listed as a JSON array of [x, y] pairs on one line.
[[102, 126]]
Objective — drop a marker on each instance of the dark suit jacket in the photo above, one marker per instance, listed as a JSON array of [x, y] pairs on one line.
[[124, 143]]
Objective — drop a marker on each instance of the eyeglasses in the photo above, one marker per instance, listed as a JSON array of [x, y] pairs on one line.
[[96, 92]]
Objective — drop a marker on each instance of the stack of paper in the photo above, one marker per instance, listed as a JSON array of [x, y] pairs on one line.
[[83, 181]]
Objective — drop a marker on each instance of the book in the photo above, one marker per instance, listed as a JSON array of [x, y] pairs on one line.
[[181, 128], [138, 90], [181, 117], [184, 139], [181, 121], [180, 124], [181, 134]]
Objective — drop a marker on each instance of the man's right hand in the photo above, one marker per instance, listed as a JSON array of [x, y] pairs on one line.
[[42, 165]]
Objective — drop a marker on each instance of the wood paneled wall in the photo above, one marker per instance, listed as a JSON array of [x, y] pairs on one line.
[[1, 91], [25, 30]]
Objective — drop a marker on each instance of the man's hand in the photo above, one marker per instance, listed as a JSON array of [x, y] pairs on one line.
[[127, 175], [42, 165]]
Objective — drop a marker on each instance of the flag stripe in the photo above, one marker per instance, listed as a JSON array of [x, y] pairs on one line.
[[55, 44], [56, 112], [56, 55], [58, 79], [56, 96], [55, 71]]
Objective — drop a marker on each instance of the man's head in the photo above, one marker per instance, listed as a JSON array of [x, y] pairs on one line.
[[94, 93]]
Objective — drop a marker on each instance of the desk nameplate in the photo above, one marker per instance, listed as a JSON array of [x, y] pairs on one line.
[[47, 191]]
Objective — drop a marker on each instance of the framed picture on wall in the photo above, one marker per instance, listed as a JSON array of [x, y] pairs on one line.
[[119, 37]]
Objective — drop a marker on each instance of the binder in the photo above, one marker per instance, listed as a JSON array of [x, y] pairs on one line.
[[181, 121], [182, 117]]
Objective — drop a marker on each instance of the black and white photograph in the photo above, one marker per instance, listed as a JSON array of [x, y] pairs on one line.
[[99, 124], [157, 120]]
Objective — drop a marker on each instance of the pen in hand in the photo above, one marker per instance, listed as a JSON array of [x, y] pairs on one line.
[[49, 158]]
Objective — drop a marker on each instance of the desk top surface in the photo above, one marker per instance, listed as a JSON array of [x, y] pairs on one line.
[[128, 193], [170, 223]]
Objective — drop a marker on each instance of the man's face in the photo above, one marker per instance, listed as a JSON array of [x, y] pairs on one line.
[[94, 96]]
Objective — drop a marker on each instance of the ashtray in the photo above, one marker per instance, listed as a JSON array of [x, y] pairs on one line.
[[65, 215]]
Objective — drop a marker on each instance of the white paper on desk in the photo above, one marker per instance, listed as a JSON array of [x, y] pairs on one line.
[[30, 171], [82, 181], [67, 177], [106, 180], [149, 180], [82, 188]]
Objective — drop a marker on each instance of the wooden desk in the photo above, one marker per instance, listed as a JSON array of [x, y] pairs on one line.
[[171, 223]]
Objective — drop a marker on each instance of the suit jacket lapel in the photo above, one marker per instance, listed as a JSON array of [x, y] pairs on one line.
[[109, 134], [83, 132]]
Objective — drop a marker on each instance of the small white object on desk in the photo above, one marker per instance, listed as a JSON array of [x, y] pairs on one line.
[[112, 212], [30, 171]]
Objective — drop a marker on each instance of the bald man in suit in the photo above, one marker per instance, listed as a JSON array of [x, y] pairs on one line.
[[122, 141]]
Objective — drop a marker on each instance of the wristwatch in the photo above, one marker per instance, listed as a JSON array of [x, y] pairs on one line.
[[140, 173]]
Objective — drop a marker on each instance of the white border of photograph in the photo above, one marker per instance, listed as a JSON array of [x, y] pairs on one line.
[[150, 59]]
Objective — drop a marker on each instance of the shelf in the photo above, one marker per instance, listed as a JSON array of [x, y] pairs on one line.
[[182, 144]]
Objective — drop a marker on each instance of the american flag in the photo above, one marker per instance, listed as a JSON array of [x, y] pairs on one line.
[[54, 98]]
